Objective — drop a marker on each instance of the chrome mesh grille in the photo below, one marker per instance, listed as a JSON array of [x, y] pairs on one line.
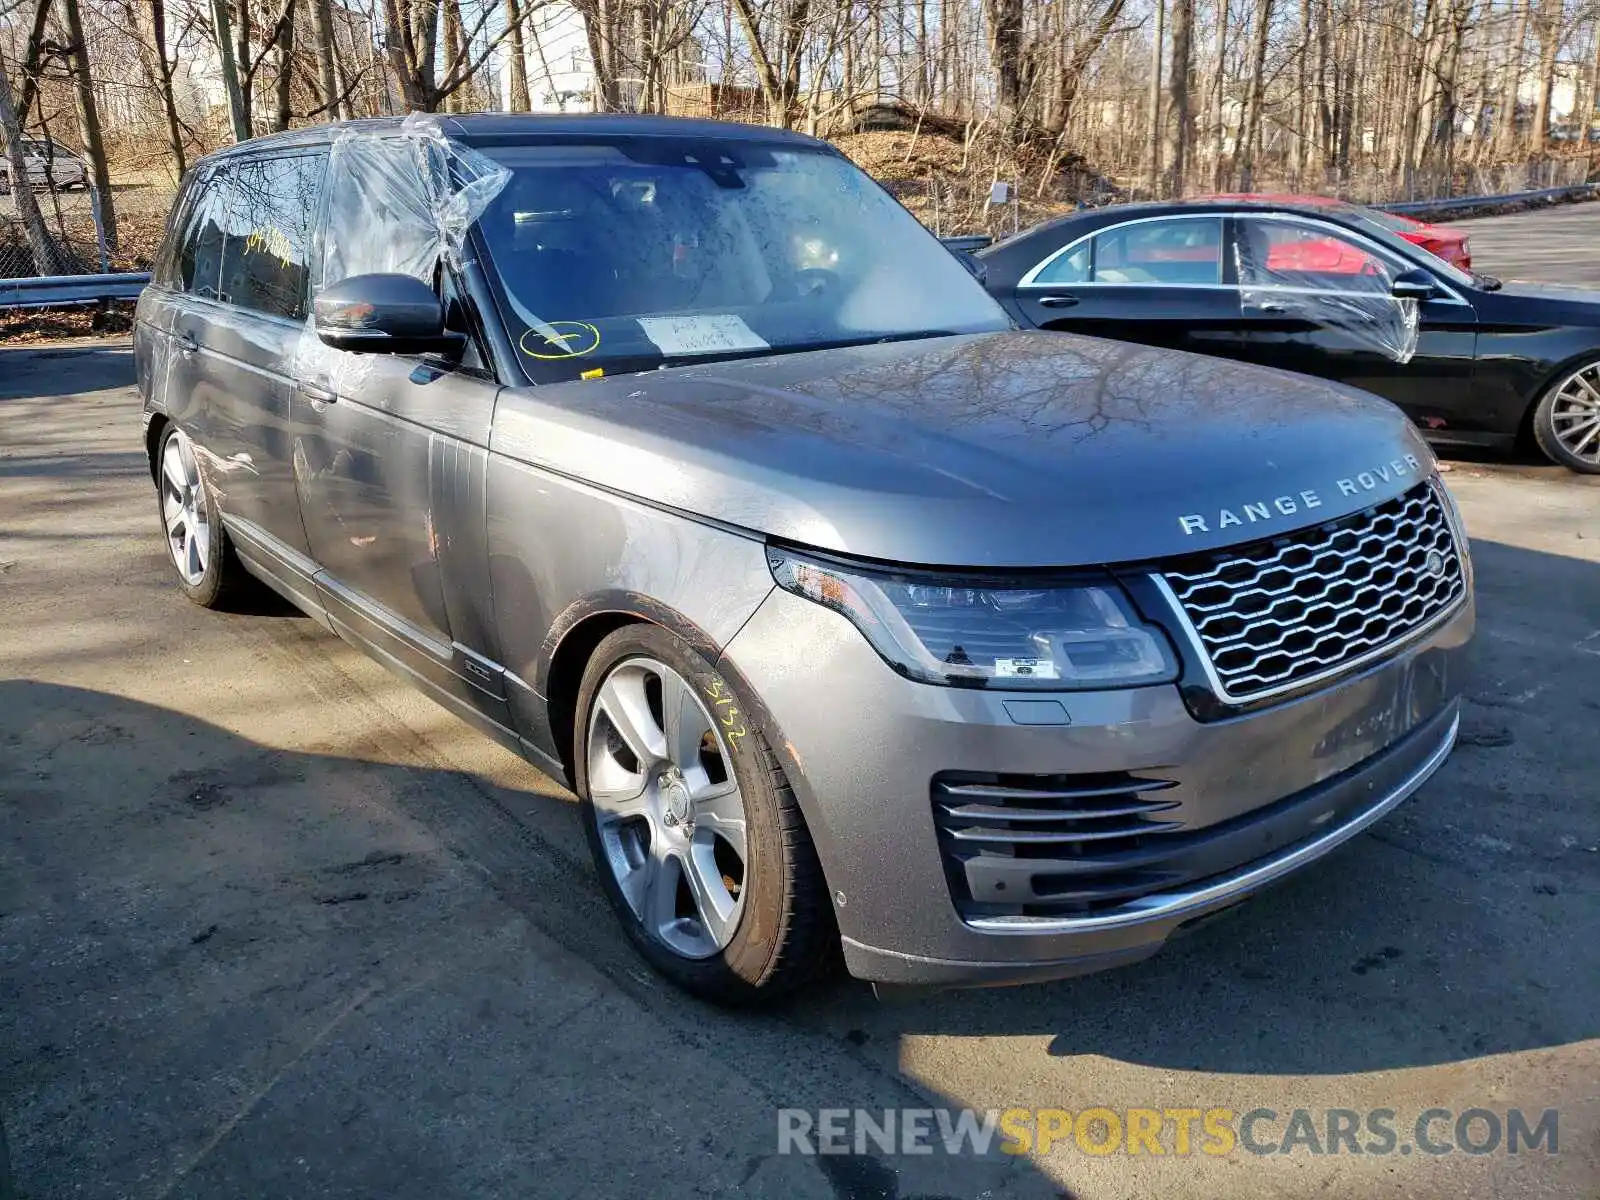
[[1282, 612]]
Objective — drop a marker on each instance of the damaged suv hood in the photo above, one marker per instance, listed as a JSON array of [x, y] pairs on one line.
[[986, 450]]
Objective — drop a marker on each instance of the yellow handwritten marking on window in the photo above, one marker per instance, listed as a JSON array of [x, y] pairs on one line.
[[270, 240], [566, 339]]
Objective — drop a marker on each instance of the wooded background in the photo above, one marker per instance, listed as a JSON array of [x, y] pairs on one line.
[[1071, 101]]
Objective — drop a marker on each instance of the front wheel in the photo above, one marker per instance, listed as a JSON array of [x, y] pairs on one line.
[[700, 845], [1566, 423]]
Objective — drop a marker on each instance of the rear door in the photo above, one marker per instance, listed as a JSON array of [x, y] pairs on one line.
[[1158, 280], [235, 334], [1315, 298]]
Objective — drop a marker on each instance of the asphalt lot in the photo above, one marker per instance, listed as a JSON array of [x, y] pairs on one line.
[[273, 925]]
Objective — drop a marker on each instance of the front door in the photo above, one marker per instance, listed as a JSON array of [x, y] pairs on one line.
[[1315, 298], [386, 452]]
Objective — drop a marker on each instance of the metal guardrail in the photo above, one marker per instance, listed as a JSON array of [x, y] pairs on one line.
[[1577, 191], [59, 291]]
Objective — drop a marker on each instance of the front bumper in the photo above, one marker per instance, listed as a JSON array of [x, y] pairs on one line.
[[863, 746]]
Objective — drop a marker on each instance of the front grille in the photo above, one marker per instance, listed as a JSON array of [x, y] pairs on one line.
[[1047, 844], [1287, 611]]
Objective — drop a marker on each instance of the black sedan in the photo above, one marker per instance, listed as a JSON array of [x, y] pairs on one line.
[[1327, 292]]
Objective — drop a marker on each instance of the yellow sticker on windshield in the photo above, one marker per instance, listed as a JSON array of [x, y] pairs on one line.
[[564, 339]]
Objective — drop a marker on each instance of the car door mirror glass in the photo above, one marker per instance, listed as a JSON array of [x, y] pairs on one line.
[[383, 314]]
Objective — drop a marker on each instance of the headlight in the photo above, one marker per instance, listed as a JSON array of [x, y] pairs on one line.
[[984, 634]]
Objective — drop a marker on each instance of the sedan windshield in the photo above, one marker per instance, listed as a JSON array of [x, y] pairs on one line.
[[634, 253]]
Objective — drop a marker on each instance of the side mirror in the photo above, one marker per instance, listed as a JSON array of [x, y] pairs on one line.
[[1415, 284], [384, 314]]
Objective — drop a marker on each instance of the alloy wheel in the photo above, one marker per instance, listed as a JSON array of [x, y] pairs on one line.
[[667, 807], [183, 508], [1575, 414]]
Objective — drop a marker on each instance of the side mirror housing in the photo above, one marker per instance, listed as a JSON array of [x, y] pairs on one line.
[[383, 314], [1415, 284]]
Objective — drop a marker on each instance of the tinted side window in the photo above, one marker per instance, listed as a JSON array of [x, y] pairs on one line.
[[267, 211], [200, 249], [1187, 250], [1067, 268]]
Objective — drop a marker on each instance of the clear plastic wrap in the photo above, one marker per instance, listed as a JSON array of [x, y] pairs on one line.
[[1305, 273], [401, 204], [398, 202]]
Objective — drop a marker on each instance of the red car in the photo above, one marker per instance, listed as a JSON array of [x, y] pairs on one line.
[[1449, 244]]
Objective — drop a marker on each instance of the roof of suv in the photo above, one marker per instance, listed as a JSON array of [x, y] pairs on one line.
[[502, 129]]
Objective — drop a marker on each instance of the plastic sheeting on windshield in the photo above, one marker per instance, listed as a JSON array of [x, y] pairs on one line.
[[1323, 284]]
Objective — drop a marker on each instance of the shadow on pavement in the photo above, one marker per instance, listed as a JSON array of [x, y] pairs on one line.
[[233, 970]]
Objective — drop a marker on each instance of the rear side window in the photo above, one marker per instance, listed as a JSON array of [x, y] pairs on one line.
[[247, 237], [1066, 268], [200, 249], [1183, 251]]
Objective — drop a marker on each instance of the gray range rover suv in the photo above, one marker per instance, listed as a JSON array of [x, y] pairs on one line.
[[680, 459]]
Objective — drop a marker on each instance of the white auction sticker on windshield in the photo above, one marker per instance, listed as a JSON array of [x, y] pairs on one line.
[[1025, 668], [714, 334]]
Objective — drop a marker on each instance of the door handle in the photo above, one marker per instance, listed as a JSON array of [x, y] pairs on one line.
[[187, 346], [1058, 301], [1272, 308], [318, 395]]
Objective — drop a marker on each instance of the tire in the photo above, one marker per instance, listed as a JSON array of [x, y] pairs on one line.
[[202, 557], [660, 819], [1566, 421]]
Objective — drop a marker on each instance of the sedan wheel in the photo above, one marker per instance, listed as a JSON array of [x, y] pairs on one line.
[[1567, 421], [699, 840]]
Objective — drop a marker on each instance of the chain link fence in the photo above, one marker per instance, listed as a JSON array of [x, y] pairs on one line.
[[81, 232]]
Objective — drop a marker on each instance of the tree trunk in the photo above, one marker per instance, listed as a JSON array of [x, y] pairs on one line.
[[1005, 52], [1179, 121], [282, 110], [454, 53], [1219, 130], [322, 30], [241, 58], [1253, 98], [94, 147], [32, 60], [222, 26], [45, 261], [1506, 132], [517, 55], [1153, 134], [163, 81], [1549, 33]]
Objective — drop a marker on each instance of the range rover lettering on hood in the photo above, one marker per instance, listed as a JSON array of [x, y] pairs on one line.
[[1276, 508]]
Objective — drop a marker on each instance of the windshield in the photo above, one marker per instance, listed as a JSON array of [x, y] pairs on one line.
[[634, 253]]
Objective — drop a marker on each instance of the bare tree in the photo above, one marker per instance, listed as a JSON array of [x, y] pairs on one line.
[[45, 259], [1180, 122]]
